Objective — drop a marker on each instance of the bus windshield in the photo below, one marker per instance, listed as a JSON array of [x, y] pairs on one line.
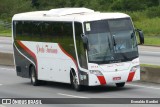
[[111, 41]]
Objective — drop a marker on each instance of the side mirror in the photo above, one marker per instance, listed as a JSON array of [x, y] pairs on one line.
[[141, 36], [85, 41]]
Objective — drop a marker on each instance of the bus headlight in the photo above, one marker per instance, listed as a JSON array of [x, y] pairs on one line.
[[133, 69], [95, 72]]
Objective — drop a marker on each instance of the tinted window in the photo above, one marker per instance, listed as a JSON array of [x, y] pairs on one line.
[[43, 31]]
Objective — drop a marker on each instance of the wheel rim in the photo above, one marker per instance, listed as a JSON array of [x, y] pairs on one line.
[[75, 81], [33, 76]]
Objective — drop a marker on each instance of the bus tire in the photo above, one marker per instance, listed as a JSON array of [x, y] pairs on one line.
[[120, 84], [74, 82], [34, 80]]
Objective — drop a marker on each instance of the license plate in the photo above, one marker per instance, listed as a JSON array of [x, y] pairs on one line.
[[116, 78]]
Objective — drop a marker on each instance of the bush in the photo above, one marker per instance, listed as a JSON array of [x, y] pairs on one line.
[[149, 26], [138, 15], [132, 5], [153, 12]]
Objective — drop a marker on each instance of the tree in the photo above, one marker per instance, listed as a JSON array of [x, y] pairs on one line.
[[35, 3]]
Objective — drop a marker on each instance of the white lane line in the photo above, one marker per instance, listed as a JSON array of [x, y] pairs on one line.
[[149, 52], [143, 86], [2, 106], [8, 69], [71, 95], [1, 84]]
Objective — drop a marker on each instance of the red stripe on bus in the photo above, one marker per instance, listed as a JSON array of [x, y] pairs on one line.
[[101, 80], [130, 77], [68, 56], [30, 53]]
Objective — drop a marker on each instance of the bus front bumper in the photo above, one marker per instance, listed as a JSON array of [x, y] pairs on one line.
[[113, 77]]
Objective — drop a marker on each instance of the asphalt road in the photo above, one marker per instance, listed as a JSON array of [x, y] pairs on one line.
[[12, 86], [148, 54], [6, 45]]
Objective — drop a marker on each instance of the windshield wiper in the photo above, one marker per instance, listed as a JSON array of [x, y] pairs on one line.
[[114, 41], [109, 44]]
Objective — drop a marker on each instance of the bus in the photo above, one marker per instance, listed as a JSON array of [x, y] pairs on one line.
[[78, 46]]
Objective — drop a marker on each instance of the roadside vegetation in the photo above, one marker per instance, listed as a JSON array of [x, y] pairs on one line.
[[145, 13], [151, 66]]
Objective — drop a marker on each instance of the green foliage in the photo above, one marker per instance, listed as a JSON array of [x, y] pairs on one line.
[[137, 16], [151, 66], [145, 13], [152, 40], [150, 26], [10, 7], [133, 5], [153, 12]]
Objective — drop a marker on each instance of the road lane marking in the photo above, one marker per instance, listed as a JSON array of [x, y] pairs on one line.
[[1, 84], [2, 106], [143, 86], [8, 69], [156, 52], [71, 95]]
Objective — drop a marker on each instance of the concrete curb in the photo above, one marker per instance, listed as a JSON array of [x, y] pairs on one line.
[[148, 74], [6, 59]]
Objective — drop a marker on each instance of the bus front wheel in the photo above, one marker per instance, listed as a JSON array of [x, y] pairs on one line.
[[74, 82], [34, 80], [120, 84]]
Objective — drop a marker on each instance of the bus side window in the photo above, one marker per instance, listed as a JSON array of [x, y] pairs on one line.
[[18, 28]]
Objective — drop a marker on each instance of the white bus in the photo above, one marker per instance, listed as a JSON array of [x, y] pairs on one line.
[[77, 46]]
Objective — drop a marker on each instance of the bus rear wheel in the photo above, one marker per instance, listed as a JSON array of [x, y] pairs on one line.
[[120, 84], [34, 80], [74, 82]]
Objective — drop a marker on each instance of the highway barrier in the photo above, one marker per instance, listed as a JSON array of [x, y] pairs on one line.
[[6, 59], [148, 74]]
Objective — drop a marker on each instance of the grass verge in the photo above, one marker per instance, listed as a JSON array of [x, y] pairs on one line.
[[152, 66], [152, 40], [5, 31]]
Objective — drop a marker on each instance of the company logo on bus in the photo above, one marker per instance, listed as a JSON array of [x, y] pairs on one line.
[[46, 49]]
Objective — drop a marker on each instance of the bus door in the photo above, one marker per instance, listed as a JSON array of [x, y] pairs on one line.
[[81, 52]]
